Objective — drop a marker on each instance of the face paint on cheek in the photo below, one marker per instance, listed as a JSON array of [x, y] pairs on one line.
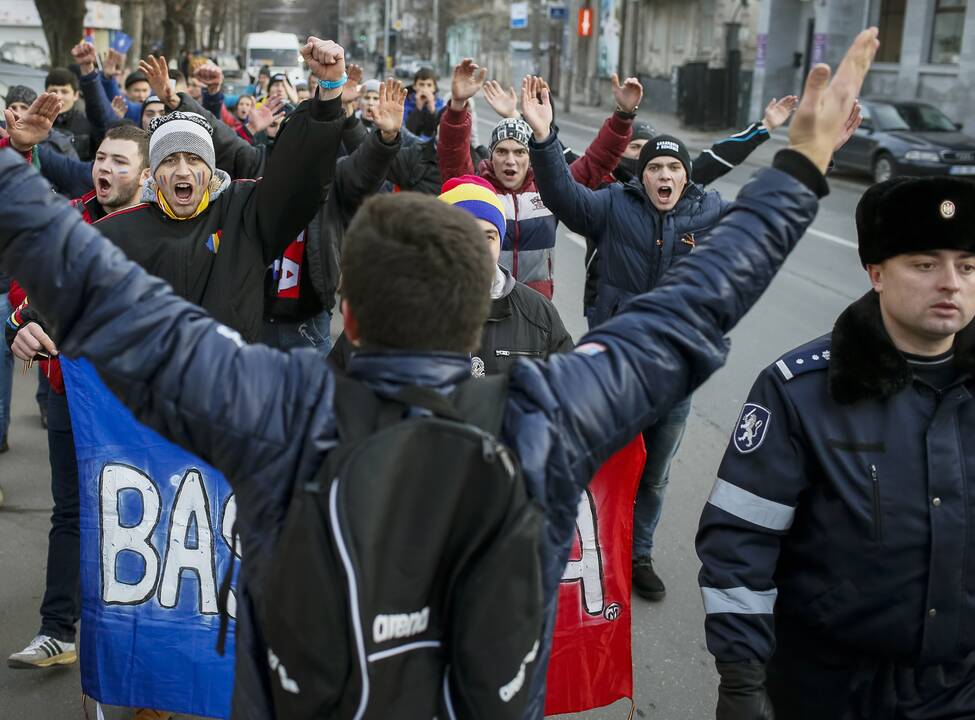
[[199, 178], [122, 171]]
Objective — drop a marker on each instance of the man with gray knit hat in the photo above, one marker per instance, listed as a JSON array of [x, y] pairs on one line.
[[212, 239]]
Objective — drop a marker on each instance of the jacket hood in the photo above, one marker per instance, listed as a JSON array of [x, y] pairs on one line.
[[218, 184], [486, 170], [864, 363]]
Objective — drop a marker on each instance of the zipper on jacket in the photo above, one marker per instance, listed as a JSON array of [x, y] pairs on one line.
[[517, 353], [353, 588], [515, 239], [878, 518]]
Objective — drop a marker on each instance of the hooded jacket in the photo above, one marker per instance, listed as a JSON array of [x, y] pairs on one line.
[[638, 244], [198, 384], [528, 246], [849, 510], [218, 258]]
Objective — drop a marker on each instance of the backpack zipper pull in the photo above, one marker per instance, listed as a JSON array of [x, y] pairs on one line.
[[488, 450]]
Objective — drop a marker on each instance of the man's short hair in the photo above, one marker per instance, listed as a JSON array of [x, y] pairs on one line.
[[134, 77], [417, 274], [137, 135], [425, 73], [177, 75], [62, 76]]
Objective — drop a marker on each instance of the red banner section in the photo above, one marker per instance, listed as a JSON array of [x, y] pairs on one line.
[[592, 662]]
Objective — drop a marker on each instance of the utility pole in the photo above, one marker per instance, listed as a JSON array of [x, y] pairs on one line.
[[386, 35], [435, 49], [132, 20], [536, 22]]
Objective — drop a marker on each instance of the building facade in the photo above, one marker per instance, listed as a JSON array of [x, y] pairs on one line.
[[927, 49]]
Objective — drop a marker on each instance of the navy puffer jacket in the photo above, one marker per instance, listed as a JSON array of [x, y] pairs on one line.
[[265, 418], [637, 243]]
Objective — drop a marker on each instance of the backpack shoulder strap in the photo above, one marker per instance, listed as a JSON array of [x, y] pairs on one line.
[[357, 408], [482, 401]]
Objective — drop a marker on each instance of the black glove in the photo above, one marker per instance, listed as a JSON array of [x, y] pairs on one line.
[[741, 693]]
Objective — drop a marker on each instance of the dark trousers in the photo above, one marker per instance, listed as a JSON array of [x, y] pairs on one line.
[[61, 606], [812, 678]]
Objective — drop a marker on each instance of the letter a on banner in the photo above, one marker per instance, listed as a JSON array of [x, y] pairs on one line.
[[592, 661]]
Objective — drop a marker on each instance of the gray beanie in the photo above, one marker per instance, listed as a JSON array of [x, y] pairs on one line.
[[370, 86], [180, 132], [20, 93], [511, 129]]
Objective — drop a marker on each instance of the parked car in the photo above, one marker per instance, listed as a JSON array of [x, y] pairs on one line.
[[907, 137], [12, 74], [25, 53]]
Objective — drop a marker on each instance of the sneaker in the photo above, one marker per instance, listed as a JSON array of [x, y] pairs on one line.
[[646, 583], [44, 651]]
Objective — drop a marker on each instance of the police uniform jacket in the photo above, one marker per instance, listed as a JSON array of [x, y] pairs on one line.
[[846, 501], [266, 419]]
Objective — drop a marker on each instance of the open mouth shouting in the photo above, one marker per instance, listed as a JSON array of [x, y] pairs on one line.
[[665, 193], [183, 192], [103, 186]]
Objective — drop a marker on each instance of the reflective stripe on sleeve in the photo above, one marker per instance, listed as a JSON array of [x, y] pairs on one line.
[[739, 600], [748, 506]]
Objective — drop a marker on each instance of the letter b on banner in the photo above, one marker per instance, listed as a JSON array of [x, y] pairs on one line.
[[126, 492]]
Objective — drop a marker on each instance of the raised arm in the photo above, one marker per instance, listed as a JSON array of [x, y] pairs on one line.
[[98, 108], [582, 210], [667, 342], [159, 353], [603, 154], [454, 138], [303, 162], [730, 152]]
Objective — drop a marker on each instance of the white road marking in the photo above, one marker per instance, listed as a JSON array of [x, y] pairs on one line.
[[577, 239], [833, 238]]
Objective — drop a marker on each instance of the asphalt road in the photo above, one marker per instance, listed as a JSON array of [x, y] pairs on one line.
[[673, 674]]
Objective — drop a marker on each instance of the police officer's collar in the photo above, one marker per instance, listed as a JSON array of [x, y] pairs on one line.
[[865, 364]]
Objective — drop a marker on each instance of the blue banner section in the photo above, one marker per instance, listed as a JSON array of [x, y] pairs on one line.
[[155, 545]]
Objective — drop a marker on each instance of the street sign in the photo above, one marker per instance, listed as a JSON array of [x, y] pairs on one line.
[[519, 15], [585, 22], [557, 12]]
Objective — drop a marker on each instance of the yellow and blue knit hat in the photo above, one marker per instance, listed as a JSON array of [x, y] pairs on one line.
[[476, 196]]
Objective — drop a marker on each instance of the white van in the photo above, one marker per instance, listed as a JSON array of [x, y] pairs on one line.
[[277, 50]]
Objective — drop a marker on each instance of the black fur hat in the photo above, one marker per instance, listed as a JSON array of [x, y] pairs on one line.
[[914, 215]]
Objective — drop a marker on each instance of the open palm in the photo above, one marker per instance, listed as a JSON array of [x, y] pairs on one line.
[[536, 106], [33, 126], [388, 114]]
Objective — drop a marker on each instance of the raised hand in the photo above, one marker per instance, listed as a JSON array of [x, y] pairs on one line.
[[536, 106], [628, 95], [261, 117], [778, 111], [503, 102], [388, 114], [113, 63], [119, 106], [823, 113], [157, 73], [34, 125], [211, 76], [852, 123], [467, 80], [84, 54], [326, 59], [350, 93]]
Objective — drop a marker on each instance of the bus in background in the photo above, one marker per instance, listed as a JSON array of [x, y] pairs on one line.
[[277, 50]]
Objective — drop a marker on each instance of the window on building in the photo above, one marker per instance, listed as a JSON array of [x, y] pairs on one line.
[[949, 19], [891, 25]]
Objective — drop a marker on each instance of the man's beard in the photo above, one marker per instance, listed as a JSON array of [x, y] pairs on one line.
[[123, 194]]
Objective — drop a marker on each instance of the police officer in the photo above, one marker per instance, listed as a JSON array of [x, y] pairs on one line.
[[838, 543]]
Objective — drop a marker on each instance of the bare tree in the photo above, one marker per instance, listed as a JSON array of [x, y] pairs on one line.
[[63, 22], [218, 18], [180, 15]]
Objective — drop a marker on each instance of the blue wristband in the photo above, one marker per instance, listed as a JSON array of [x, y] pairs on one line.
[[333, 84]]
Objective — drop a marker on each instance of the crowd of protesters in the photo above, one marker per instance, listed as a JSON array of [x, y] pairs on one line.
[[272, 208]]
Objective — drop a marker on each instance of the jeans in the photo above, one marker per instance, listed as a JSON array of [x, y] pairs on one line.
[[662, 440], [6, 371], [314, 332], [43, 390], [61, 606]]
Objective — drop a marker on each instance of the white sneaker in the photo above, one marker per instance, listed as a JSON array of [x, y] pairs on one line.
[[44, 651]]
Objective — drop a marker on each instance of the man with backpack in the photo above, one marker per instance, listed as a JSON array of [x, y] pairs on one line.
[[374, 620]]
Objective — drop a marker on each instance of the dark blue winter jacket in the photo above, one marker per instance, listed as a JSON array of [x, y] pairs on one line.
[[637, 243], [845, 504], [266, 419]]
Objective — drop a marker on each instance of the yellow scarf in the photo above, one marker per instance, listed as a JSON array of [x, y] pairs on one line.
[[204, 204]]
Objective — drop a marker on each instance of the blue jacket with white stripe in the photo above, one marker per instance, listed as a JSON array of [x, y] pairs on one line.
[[845, 501], [266, 420]]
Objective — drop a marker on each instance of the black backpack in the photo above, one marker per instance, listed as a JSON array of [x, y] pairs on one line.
[[406, 581]]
